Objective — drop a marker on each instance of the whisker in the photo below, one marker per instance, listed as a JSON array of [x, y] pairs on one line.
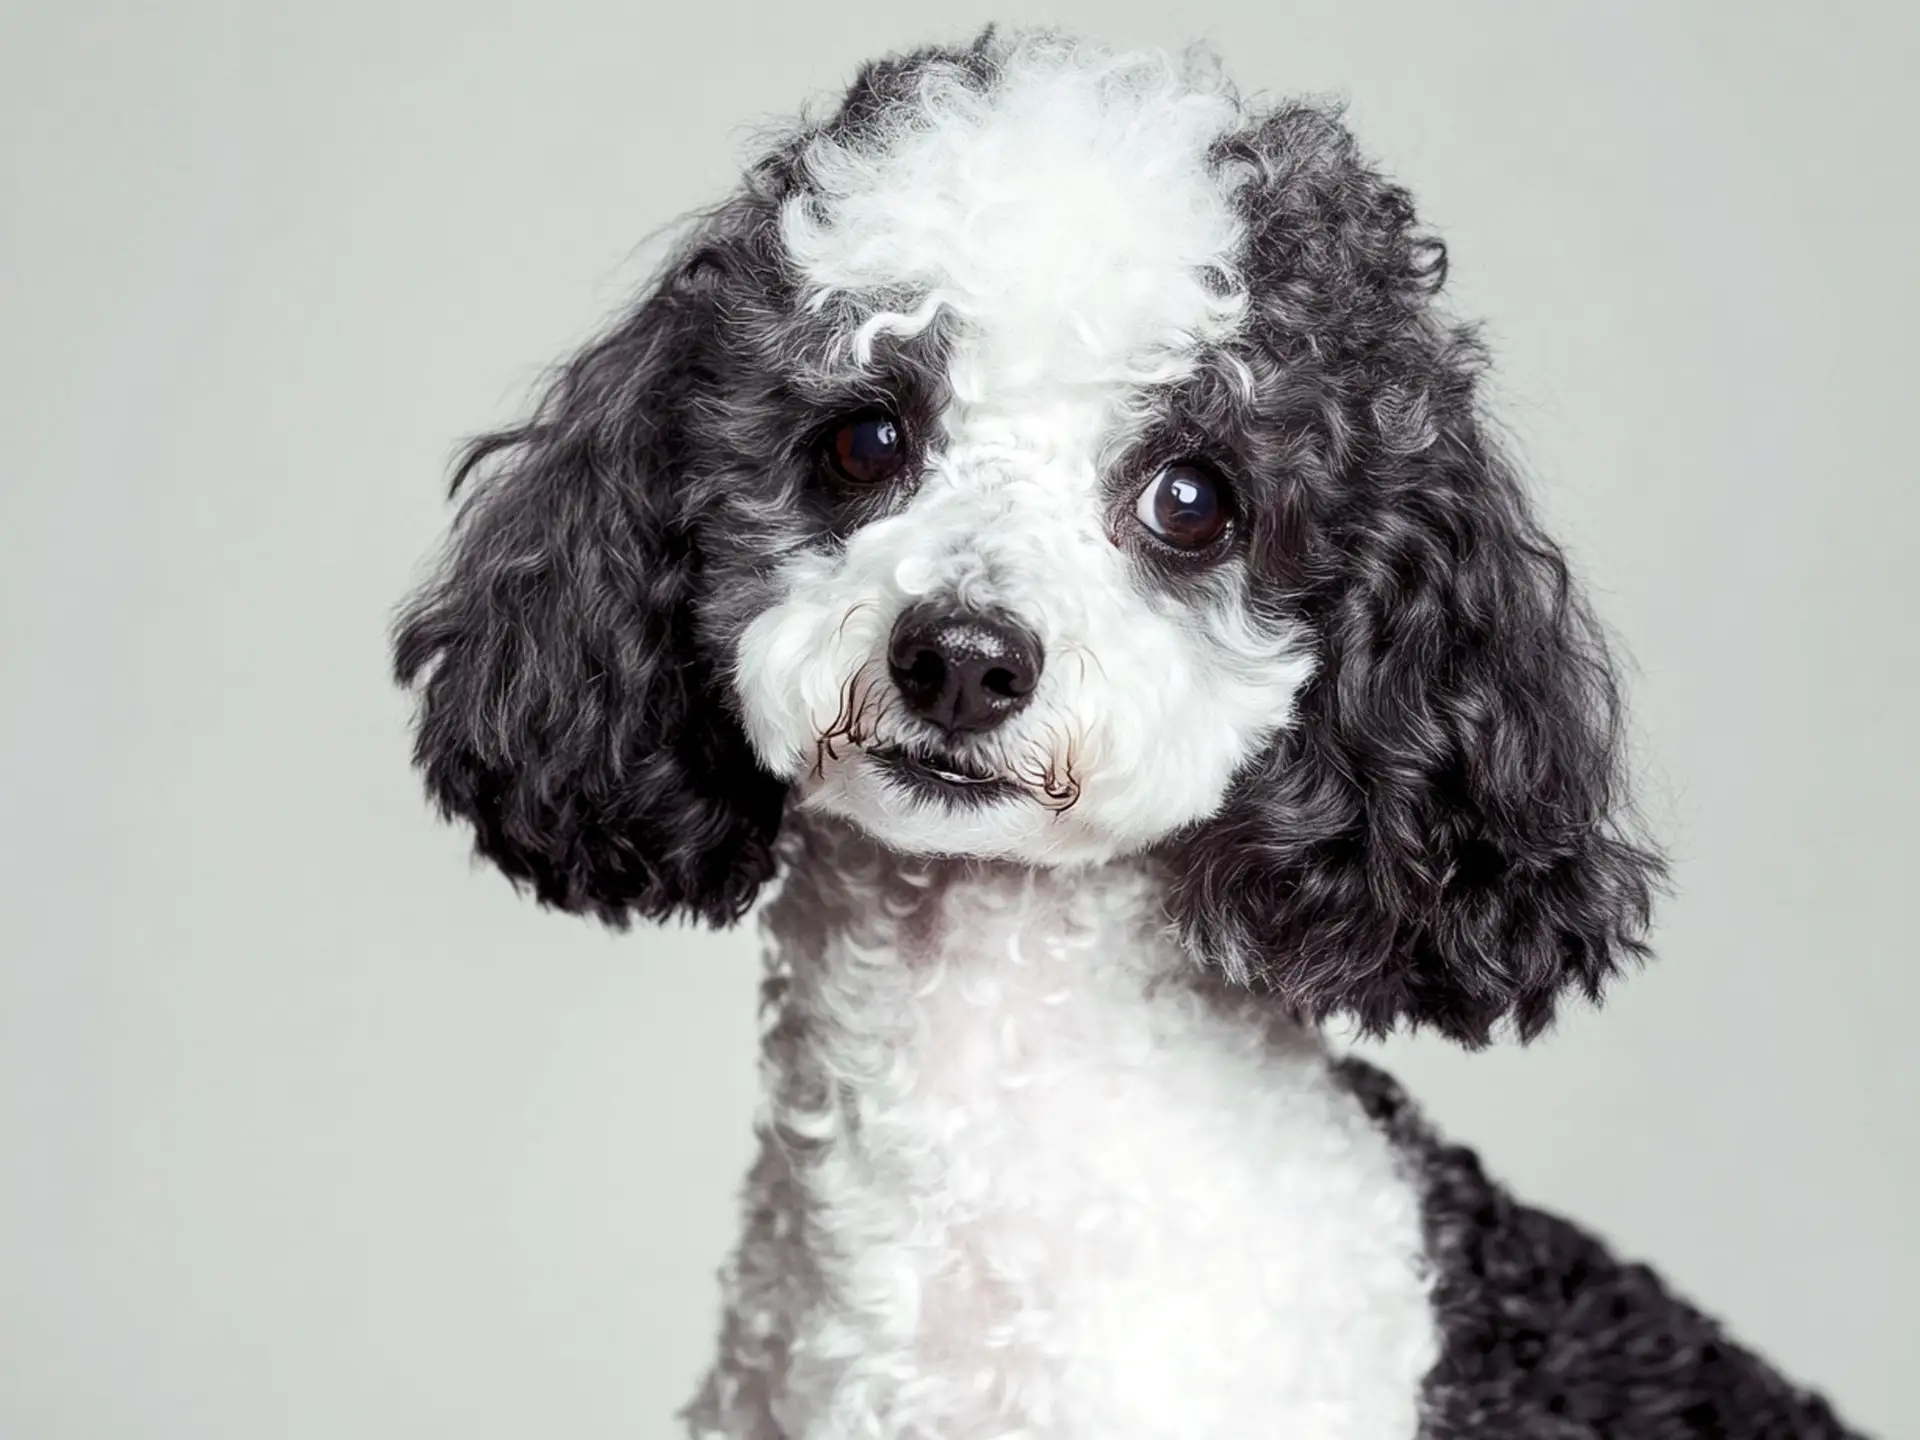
[[1051, 773], [1083, 655], [840, 631], [862, 707], [866, 712], [841, 728], [1063, 787]]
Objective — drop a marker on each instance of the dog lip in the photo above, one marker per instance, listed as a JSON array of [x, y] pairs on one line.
[[952, 777], [943, 773], [947, 769]]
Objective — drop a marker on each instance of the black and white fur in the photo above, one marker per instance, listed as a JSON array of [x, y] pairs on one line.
[[1052, 1144]]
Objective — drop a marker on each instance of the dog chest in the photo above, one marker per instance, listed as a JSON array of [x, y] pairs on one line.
[[1065, 1185]]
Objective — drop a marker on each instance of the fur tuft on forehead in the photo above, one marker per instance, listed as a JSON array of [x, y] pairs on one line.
[[1059, 200]]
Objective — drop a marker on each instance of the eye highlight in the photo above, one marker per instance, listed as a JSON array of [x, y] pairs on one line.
[[1185, 506], [869, 448]]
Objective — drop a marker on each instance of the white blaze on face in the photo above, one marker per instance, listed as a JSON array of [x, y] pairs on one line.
[[1068, 222]]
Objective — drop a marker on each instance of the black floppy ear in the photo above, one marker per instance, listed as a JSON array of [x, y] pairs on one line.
[[570, 707], [1437, 840]]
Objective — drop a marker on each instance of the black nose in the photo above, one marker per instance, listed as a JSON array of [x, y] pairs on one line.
[[963, 672]]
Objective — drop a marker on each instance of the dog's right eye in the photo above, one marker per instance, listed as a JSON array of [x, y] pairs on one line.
[[869, 448]]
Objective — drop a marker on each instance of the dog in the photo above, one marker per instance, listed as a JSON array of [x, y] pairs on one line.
[[1044, 519]]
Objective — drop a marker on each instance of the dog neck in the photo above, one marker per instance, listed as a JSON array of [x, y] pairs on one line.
[[908, 982], [870, 918], [1008, 1117]]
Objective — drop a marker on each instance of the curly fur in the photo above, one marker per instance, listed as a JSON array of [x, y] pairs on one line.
[[1548, 1334], [1026, 1170], [570, 705], [1437, 839], [1052, 1145]]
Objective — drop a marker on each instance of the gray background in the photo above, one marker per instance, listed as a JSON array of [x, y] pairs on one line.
[[309, 1128]]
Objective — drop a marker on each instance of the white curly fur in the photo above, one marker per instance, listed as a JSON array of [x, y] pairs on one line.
[[1027, 1172], [1067, 220]]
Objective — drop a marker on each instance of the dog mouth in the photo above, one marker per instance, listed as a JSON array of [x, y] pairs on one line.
[[944, 777]]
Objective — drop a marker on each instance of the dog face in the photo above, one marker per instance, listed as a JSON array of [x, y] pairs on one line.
[[1033, 632], [1047, 458]]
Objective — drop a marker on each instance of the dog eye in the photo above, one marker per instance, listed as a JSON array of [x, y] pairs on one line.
[[868, 449], [1184, 505]]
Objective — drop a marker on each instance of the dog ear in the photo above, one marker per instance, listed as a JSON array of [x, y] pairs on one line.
[[1438, 838], [570, 707]]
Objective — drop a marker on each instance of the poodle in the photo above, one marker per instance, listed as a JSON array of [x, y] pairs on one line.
[[1044, 521]]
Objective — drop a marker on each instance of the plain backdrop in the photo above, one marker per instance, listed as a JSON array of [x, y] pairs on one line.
[[310, 1128]]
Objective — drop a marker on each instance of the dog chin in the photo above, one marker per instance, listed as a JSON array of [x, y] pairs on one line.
[[921, 805]]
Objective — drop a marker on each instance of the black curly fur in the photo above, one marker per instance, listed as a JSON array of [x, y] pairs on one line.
[[572, 707], [1546, 1334], [1437, 839]]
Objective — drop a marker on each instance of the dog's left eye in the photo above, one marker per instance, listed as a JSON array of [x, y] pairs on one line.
[[868, 449], [1185, 505]]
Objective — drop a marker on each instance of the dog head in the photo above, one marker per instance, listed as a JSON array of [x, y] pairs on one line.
[[1048, 457]]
